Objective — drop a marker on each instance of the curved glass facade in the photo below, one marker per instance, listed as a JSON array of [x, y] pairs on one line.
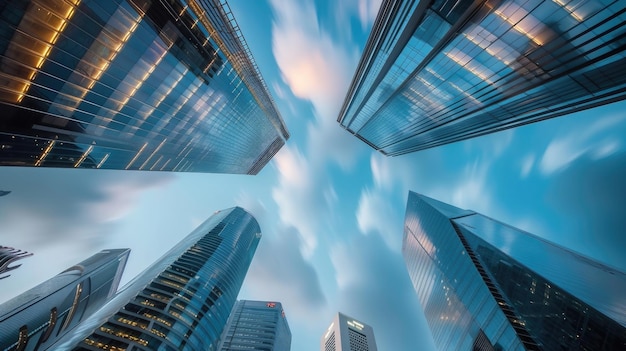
[[436, 72], [484, 285], [40, 316], [132, 84], [182, 301]]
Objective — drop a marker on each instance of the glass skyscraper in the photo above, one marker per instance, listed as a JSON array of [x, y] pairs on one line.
[[348, 334], [484, 285], [183, 300], [132, 84], [34, 320], [436, 72], [256, 326]]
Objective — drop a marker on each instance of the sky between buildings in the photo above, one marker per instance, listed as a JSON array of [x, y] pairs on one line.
[[331, 209]]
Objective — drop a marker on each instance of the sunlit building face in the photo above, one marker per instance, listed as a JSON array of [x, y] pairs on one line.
[[436, 72], [484, 285], [132, 84]]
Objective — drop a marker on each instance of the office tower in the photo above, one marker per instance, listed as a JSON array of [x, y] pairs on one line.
[[484, 285], [9, 255], [256, 325], [436, 72], [34, 320], [347, 334], [132, 84], [183, 300]]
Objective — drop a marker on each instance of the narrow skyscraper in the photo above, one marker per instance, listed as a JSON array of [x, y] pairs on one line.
[[436, 72], [348, 334], [34, 320], [183, 300], [132, 84], [484, 285], [256, 326]]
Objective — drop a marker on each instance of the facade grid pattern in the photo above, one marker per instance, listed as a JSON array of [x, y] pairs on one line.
[[184, 299], [132, 84], [536, 296], [437, 72]]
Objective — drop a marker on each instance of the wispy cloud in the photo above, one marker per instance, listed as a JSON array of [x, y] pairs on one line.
[[316, 68], [376, 214], [279, 271], [597, 141], [527, 165]]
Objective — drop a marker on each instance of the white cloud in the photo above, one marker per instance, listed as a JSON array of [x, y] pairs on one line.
[[381, 171], [368, 9], [296, 196], [279, 271], [376, 214], [471, 191], [318, 69], [527, 165], [595, 141]]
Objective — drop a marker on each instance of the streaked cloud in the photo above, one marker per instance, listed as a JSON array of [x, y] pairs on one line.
[[374, 287], [597, 140], [527, 165], [376, 214], [317, 68], [278, 272]]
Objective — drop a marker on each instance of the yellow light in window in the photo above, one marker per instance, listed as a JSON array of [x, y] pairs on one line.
[[577, 15]]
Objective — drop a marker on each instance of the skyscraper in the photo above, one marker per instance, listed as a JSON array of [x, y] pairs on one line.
[[484, 285], [37, 318], [132, 84], [9, 255], [256, 326], [436, 72], [347, 334], [182, 301]]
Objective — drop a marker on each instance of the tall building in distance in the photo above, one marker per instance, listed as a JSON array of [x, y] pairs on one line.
[[256, 326], [436, 72], [484, 285], [347, 334], [183, 300], [34, 320], [132, 84], [9, 255]]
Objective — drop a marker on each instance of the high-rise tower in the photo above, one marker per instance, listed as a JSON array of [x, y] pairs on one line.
[[34, 320], [132, 84], [183, 300], [347, 334], [256, 326], [484, 285], [436, 72]]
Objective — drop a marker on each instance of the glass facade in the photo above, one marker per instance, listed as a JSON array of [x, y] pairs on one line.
[[436, 72], [132, 84], [34, 320], [183, 300], [256, 326], [484, 285]]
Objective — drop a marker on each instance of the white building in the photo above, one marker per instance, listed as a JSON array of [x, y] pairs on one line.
[[347, 334]]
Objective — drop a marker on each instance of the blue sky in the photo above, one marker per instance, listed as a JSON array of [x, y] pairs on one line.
[[331, 209]]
